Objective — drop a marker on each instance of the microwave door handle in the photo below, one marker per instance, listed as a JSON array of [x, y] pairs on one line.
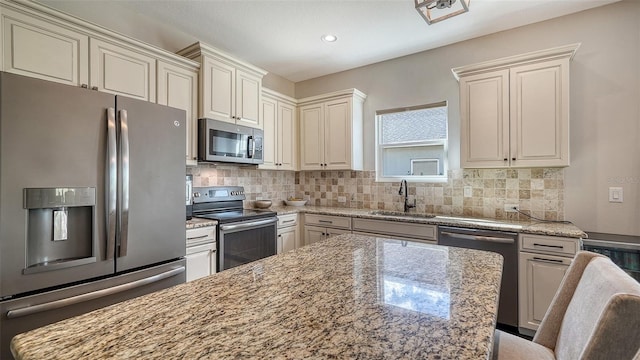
[[251, 147]]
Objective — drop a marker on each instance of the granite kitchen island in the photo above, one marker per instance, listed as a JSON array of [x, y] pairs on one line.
[[350, 297]]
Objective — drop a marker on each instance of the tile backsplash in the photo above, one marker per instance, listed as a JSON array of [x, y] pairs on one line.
[[258, 184], [539, 192]]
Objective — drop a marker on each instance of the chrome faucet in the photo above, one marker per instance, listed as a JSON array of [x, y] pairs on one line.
[[406, 196]]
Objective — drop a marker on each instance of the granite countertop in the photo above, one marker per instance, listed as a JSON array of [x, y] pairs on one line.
[[195, 223], [530, 227], [344, 298]]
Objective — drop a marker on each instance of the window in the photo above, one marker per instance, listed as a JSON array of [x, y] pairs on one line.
[[411, 143]]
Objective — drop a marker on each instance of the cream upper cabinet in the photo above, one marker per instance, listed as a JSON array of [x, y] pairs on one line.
[[122, 71], [178, 88], [484, 101], [539, 112], [515, 111], [331, 131], [269, 143], [230, 90], [248, 89], [44, 50], [279, 119], [312, 137]]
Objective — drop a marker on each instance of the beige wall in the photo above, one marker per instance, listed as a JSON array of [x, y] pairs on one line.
[[279, 84], [605, 98]]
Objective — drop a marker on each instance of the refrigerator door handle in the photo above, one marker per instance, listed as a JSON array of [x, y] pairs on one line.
[[112, 181], [124, 170], [30, 310]]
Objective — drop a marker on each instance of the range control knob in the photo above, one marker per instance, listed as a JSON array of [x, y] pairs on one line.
[[196, 194]]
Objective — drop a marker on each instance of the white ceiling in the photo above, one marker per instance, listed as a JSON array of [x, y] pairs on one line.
[[283, 37]]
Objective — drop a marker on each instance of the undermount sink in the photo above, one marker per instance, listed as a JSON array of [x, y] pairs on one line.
[[399, 213]]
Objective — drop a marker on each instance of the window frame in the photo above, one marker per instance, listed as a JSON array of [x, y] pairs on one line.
[[379, 147]]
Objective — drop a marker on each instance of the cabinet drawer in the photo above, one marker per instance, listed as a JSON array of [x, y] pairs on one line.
[[410, 230], [201, 235], [549, 244], [287, 220], [338, 222]]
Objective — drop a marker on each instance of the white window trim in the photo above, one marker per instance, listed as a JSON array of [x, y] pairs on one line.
[[379, 146]]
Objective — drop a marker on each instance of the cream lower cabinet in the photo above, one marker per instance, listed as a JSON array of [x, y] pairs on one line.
[[37, 48], [201, 252], [321, 227], [543, 261], [280, 125], [230, 90], [201, 261], [540, 278], [122, 71], [178, 88], [288, 234], [313, 234], [396, 230], [331, 131], [515, 111]]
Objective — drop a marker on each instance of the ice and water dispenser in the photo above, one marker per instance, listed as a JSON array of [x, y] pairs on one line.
[[60, 227]]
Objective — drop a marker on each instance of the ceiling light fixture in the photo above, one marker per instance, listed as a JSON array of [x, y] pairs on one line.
[[434, 11], [329, 38]]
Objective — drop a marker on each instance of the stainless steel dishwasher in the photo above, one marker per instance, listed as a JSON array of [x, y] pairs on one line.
[[503, 243]]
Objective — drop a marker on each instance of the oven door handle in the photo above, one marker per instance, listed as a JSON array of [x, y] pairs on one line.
[[247, 225]]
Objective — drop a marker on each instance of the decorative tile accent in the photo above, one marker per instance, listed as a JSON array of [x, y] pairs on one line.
[[538, 192]]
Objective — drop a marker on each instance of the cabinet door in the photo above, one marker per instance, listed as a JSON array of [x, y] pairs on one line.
[[540, 114], [540, 277], [335, 232], [218, 91], [117, 70], [484, 106], [312, 137], [270, 142], [337, 134], [286, 239], [43, 50], [286, 136], [313, 234], [178, 87], [248, 89], [199, 264]]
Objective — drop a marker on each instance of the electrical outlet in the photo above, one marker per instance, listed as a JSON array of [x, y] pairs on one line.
[[468, 191], [510, 207], [342, 199]]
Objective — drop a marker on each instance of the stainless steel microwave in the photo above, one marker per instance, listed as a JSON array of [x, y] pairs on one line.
[[220, 141]]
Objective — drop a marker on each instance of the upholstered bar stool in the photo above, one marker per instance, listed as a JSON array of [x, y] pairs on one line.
[[594, 315]]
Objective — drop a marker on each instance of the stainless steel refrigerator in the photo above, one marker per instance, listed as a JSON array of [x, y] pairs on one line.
[[91, 201]]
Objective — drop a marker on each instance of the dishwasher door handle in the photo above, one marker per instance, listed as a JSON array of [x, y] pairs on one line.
[[494, 239]]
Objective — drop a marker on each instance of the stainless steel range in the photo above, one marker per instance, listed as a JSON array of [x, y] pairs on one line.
[[244, 235]]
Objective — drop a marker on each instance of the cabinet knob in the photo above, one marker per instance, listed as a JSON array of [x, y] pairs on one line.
[[513, 159], [506, 159]]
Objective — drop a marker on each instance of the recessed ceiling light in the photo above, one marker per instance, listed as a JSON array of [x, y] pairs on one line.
[[329, 38]]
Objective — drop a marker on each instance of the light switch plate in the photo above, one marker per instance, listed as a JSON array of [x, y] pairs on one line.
[[615, 194]]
